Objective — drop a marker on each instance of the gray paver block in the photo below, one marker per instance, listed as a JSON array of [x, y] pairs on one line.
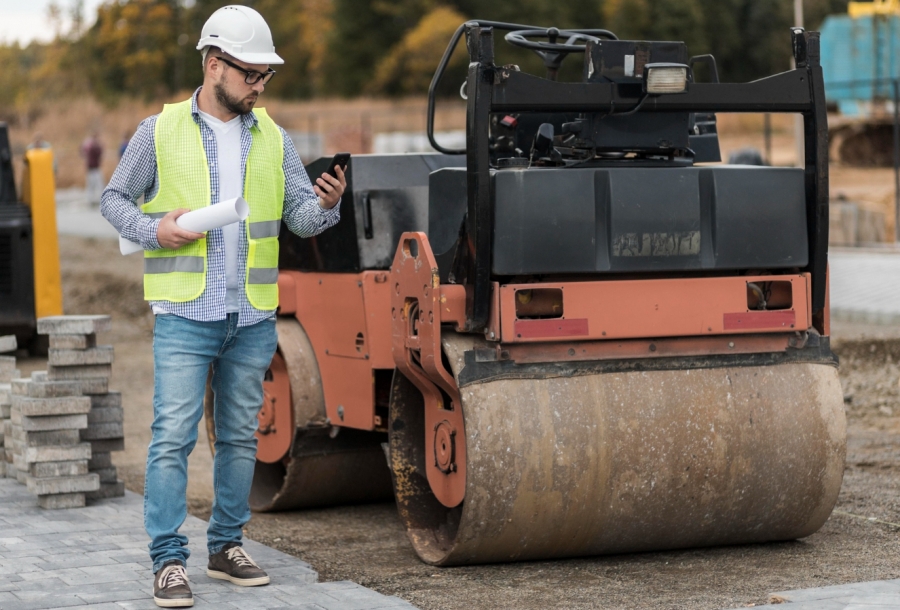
[[63, 485], [99, 459], [60, 501], [8, 344], [87, 371], [61, 405], [103, 431], [107, 490], [38, 387], [58, 469], [5, 411], [52, 422], [73, 325], [73, 341], [106, 415], [6, 393], [108, 400], [58, 453], [107, 445], [107, 475], [102, 354], [7, 368], [47, 437]]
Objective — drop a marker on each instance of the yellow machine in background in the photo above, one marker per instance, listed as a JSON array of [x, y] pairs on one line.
[[39, 194], [30, 283], [876, 7]]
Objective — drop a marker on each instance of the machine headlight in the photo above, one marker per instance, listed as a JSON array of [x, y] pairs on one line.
[[666, 78]]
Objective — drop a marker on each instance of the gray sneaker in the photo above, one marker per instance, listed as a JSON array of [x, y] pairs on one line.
[[233, 563], [170, 587]]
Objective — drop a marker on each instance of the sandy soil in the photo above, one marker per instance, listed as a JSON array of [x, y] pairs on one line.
[[367, 544]]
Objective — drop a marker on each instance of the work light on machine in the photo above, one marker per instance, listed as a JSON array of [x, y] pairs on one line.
[[663, 78]]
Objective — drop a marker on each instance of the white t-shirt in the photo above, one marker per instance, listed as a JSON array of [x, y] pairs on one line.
[[228, 146]]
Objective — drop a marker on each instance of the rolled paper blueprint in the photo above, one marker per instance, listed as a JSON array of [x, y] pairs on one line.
[[202, 220]]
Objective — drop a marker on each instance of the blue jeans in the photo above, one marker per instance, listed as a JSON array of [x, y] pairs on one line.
[[183, 352]]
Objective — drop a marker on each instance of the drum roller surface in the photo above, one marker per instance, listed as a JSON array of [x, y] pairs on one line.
[[624, 462]]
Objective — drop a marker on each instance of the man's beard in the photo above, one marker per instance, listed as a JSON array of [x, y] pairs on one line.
[[233, 104]]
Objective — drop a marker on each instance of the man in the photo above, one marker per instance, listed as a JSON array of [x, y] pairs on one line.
[[92, 151], [214, 295]]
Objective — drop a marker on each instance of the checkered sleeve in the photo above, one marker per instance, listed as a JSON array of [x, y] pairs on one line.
[[134, 176], [302, 212]]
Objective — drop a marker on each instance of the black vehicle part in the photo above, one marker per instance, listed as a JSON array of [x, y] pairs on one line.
[[16, 254], [493, 89], [385, 196]]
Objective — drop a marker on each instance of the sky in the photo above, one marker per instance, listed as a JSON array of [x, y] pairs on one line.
[[26, 20]]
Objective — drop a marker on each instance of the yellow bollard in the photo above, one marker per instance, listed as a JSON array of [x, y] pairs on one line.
[[39, 193]]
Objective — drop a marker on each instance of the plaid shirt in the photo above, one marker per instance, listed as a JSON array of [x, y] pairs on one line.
[[137, 175]]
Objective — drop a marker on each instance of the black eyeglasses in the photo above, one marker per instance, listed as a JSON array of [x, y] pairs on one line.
[[251, 77]]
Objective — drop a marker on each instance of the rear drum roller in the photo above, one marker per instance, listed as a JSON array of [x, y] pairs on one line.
[[562, 466], [301, 460]]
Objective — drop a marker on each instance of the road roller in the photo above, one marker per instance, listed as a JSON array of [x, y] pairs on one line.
[[581, 334]]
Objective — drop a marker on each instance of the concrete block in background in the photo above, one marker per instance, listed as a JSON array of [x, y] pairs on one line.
[[40, 387], [107, 445], [107, 475], [8, 344], [107, 490], [90, 387], [5, 411], [58, 501], [100, 460], [48, 437], [61, 405], [105, 415], [2, 468], [7, 369], [62, 485], [73, 325], [73, 341], [50, 422], [21, 476], [102, 354], [71, 468], [96, 432], [58, 453], [102, 401], [87, 371], [5, 393]]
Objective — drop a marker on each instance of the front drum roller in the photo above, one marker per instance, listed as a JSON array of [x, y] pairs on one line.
[[616, 462], [301, 460]]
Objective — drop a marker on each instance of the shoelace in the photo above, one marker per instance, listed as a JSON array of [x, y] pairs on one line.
[[239, 556], [173, 576]]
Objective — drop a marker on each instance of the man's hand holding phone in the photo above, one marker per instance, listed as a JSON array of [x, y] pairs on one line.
[[330, 185]]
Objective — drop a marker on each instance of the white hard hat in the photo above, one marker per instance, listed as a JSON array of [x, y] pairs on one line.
[[242, 33]]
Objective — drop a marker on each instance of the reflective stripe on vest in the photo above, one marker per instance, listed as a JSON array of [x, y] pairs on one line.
[[184, 182]]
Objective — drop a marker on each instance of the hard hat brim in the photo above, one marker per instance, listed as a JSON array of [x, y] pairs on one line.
[[258, 58]]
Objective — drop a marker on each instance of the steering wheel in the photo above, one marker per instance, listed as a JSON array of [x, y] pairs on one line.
[[552, 52]]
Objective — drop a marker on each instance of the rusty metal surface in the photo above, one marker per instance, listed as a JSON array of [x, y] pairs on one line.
[[276, 421], [625, 462], [416, 315], [653, 308]]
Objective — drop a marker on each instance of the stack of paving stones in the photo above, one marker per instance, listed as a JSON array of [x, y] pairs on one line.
[[74, 356], [8, 372]]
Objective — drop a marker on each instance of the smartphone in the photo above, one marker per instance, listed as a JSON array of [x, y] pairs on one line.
[[341, 158]]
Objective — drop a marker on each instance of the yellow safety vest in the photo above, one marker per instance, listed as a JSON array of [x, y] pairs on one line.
[[180, 275]]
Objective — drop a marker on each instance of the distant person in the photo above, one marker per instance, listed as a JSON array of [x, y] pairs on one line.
[[92, 151], [214, 295], [126, 138]]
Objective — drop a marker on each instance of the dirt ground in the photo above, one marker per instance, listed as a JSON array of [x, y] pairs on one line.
[[367, 544]]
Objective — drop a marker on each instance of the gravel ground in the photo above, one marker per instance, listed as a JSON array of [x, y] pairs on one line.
[[367, 544]]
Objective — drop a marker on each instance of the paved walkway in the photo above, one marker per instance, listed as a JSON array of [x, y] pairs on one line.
[[875, 595], [96, 558], [865, 285]]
